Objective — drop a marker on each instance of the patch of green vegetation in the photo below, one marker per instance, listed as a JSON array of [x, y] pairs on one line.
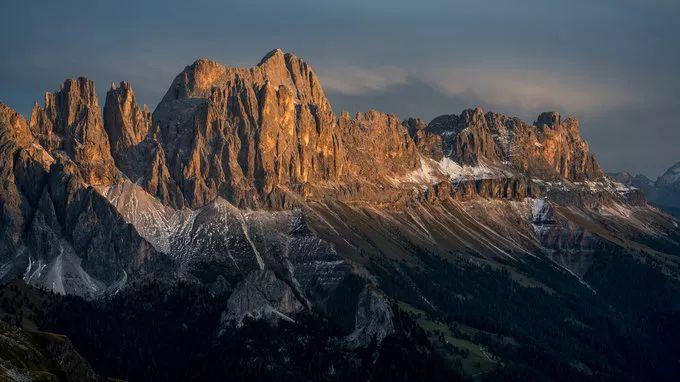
[[474, 358]]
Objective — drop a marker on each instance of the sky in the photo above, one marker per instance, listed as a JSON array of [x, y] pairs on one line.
[[613, 64]]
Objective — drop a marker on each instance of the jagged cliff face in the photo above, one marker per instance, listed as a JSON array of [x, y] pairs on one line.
[[551, 148], [241, 133], [57, 231], [377, 146], [251, 136], [262, 136], [127, 125], [71, 121]]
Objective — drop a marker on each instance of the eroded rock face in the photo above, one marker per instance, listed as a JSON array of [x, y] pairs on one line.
[[377, 146], [71, 121], [373, 319], [239, 133], [23, 174], [496, 188], [127, 126], [253, 135], [428, 144], [57, 231], [261, 295], [551, 148]]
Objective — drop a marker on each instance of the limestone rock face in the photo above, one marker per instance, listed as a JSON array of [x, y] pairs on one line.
[[373, 319], [467, 138], [428, 144], [377, 145], [240, 133], [261, 137], [261, 295], [564, 149], [57, 231], [23, 170], [71, 121], [496, 188], [550, 148], [127, 126]]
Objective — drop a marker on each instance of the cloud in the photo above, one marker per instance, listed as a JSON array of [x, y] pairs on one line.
[[352, 80], [528, 89]]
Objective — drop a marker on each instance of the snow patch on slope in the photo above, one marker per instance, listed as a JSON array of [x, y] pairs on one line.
[[431, 172]]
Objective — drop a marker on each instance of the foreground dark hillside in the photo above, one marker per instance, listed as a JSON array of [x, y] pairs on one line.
[[488, 325]]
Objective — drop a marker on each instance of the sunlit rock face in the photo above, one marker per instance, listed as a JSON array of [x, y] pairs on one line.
[[71, 121], [550, 148], [240, 133], [57, 231], [127, 125]]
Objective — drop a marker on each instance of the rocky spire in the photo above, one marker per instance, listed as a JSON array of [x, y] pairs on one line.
[[126, 123], [71, 121], [127, 126]]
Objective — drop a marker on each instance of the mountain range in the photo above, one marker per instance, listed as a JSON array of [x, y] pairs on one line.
[[664, 192], [243, 229]]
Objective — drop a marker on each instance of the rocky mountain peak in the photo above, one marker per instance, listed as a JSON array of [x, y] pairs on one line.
[[239, 133], [250, 135], [274, 54], [70, 121], [286, 69], [549, 119], [553, 121], [550, 148], [427, 143], [126, 123], [472, 116], [670, 178], [275, 69]]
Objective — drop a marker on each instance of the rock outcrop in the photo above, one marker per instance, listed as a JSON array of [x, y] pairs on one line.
[[428, 144], [71, 121], [250, 135], [240, 133], [127, 125], [23, 174], [57, 231], [377, 146], [551, 148], [261, 295]]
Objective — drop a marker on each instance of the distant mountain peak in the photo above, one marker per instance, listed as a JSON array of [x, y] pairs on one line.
[[670, 178]]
